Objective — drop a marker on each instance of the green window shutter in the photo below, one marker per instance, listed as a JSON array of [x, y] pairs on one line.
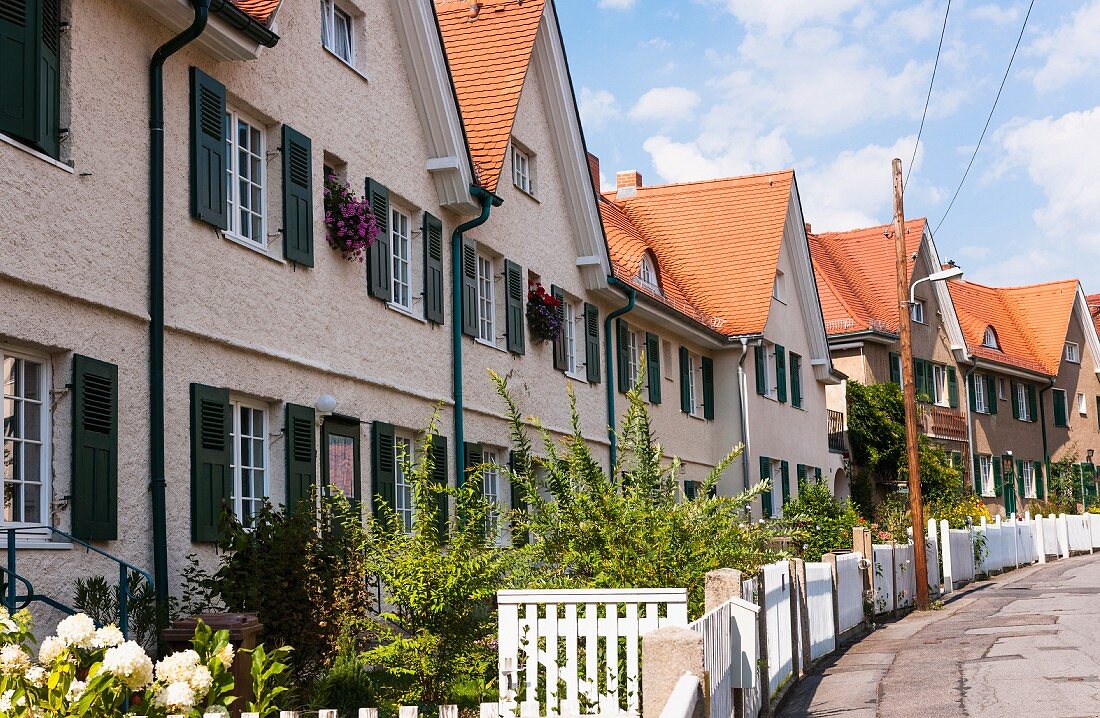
[[977, 475], [383, 467], [706, 368], [513, 300], [800, 475], [971, 382], [952, 388], [433, 268], [439, 478], [622, 342], [785, 478], [766, 497], [378, 256], [1015, 400], [95, 449], [1021, 489], [998, 483], [653, 366], [685, 370], [1060, 418], [1040, 488], [761, 371], [211, 458], [517, 466], [1032, 404], [469, 287], [30, 71], [929, 380], [991, 393], [895, 368], [690, 490], [301, 465], [297, 197], [209, 153], [918, 377], [817, 473], [781, 372], [474, 459], [592, 343], [796, 381], [561, 361]]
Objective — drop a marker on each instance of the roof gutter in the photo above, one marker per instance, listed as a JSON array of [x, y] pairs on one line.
[[252, 29], [156, 301], [631, 297]]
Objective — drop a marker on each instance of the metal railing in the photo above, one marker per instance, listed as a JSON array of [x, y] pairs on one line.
[[837, 440], [13, 601]]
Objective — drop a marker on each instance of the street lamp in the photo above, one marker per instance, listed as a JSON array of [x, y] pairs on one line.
[[951, 274]]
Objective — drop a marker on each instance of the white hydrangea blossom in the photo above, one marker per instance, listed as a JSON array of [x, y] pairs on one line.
[[14, 660], [51, 648], [5, 701], [6, 624], [130, 663], [77, 631], [201, 680], [108, 637], [176, 697], [76, 690], [178, 667], [225, 655], [36, 676]]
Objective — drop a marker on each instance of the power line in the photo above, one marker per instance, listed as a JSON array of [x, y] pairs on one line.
[[988, 119], [928, 98]]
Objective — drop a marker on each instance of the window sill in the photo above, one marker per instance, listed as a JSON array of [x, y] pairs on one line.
[[35, 153], [989, 495], [249, 244], [490, 345], [576, 377], [407, 311], [348, 65], [530, 195], [700, 417], [38, 544]]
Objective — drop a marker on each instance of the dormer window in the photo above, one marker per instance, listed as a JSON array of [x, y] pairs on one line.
[[647, 273], [990, 339]]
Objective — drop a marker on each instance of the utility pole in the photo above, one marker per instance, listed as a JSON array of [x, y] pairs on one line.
[[909, 391]]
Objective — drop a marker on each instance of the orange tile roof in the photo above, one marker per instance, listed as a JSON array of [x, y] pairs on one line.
[[1031, 322], [488, 53], [716, 243], [259, 10], [1094, 310], [856, 275]]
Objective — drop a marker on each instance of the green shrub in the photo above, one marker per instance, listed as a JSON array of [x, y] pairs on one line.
[[818, 522]]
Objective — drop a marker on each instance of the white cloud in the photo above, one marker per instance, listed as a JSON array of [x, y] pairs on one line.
[[782, 17], [616, 4], [995, 14], [918, 22], [657, 43], [1071, 50], [712, 156], [597, 107], [666, 105]]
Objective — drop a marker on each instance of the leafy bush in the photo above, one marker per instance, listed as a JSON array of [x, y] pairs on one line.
[[98, 598], [1063, 486], [818, 522]]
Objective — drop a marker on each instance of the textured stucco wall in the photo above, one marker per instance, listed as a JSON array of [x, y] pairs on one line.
[[1075, 378]]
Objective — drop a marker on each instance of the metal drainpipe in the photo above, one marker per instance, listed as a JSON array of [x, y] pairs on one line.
[[742, 383], [968, 377], [488, 201], [156, 300], [631, 297]]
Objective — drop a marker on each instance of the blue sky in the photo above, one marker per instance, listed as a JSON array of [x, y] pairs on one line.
[[835, 89]]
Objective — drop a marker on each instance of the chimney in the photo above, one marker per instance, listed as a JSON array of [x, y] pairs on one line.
[[627, 183], [808, 230], [594, 171]]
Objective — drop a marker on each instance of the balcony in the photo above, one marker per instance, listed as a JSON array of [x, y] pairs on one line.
[[837, 440], [939, 422]]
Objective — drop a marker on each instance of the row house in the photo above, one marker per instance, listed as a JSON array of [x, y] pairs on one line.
[[729, 261], [856, 277], [173, 353]]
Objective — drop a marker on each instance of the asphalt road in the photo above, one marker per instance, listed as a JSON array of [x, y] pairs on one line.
[[1025, 644]]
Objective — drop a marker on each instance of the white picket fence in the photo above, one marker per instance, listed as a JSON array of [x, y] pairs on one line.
[[731, 650], [577, 652], [819, 608], [849, 590]]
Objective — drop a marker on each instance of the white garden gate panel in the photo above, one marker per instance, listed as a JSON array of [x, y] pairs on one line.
[[932, 558], [1025, 543], [1080, 538], [1050, 535], [883, 572], [849, 588], [962, 556], [731, 653], [1094, 529], [564, 652], [905, 578], [819, 608], [777, 609]]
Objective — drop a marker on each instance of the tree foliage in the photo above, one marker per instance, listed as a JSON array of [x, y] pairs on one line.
[[818, 522]]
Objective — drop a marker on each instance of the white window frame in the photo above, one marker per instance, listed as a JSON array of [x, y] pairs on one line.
[[779, 287], [330, 11], [634, 359], [939, 385], [237, 497], [981, 401], [486, 300], [695, 386], [1073, 352], [1021, 402], [985, 466], [44, 434], [404, 497], [771, 384], [1028, 472], [569, 336], [522, 176], [234, 118], [490, 490], [1002, 389], [401, 272], [916, 311], [647, 273], [1082, 404], [989, 339]]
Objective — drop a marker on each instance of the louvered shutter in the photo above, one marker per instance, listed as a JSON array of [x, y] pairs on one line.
[[796, 381], [800, 475], [706, 369], [95, 449], [1060, 418], [474, 459], [297, 197], [211, 461], [433, 268], [383, 458], [952, 388], [469, 287], [209, 151], [1021, 487], [653, 366], [622, 341], [690, 490], [513, 307], [1015, 400], [301, 450], [439, 478], [817, 473], [378, 256], [971, 383], [517, 467], [760, 358], [685, 381], [990, 393], [592, 343], [978, 475], [781, 373], [998, 479], [1040, 486], [1032, 404], [766, 497], [561, 361], [785, 477], [918, 377], [895, 368], [30, 71]]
